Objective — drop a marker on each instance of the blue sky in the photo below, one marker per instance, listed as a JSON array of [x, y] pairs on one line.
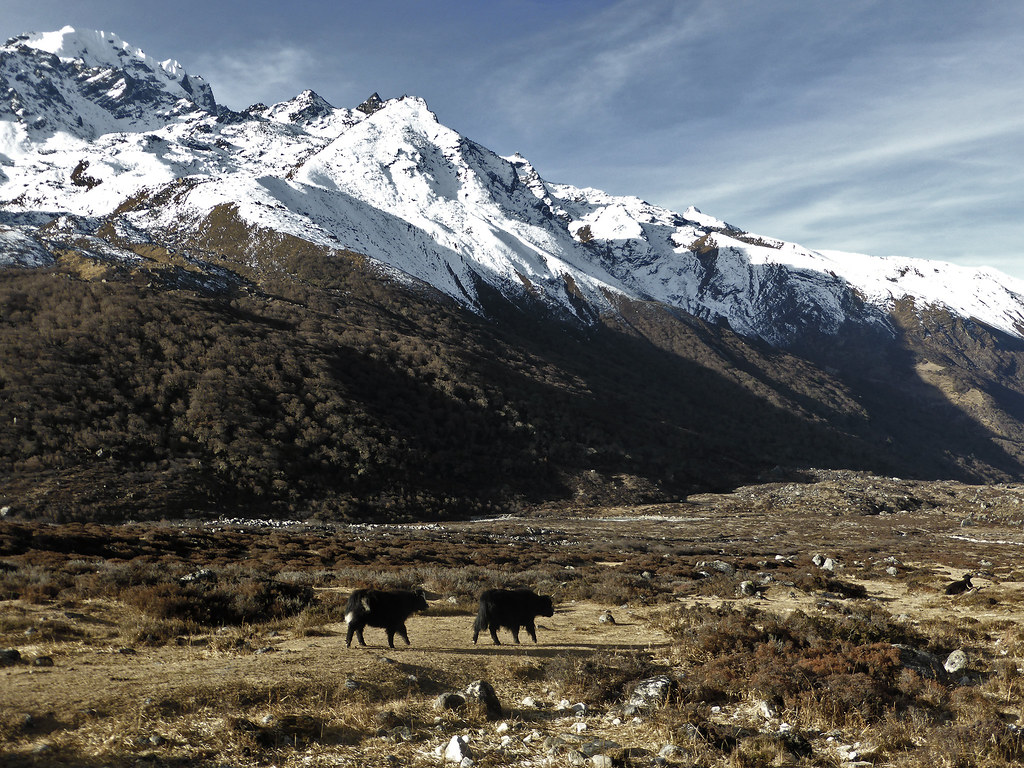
[[889, 128]]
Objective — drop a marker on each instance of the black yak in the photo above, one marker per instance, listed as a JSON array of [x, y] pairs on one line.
[[961, 586], [511, 609], [378, 608]]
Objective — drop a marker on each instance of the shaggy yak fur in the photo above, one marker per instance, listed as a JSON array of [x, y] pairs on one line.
[[511, 609], [377, 608]]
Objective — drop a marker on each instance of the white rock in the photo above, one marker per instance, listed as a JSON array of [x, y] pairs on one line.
[[957, 661], [456, 750]]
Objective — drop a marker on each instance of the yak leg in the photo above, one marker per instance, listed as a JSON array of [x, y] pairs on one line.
[[404, 633], [515, 633], [532, 629], [357, 630], [494, 634]]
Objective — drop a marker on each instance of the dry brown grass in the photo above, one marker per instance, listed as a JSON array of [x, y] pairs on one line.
[[141, 675]]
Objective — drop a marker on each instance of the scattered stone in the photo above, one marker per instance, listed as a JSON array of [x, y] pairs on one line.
[[922, 662], [157, 740], [387, 719], [196, 577], [750, 589], [351, 684], [957, 661], [607, 618], [457, 750], [503, 728], [830, 565], [529, 702], [600, 746], [669, 750], [649, 693], [42, 661], [557, 744], [265, 649], [126, 651], [818, 560], [9, 657], [892, 570], [602, 761], [449, 701], [718, 566], [481, 697], [401, 733]]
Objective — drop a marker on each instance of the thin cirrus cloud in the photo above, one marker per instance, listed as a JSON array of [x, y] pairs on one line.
[[241, 79], [867, 127]]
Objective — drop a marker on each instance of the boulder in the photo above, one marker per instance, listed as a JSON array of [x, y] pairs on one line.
[[449, 701], [457, 750], [480, 696], [925, 664], [650, 693], [957, 661]]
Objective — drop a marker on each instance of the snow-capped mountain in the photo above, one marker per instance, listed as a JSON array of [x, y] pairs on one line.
[[94, 129], [305, 307]]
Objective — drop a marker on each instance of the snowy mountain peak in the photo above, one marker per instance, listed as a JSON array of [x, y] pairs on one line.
[[87, 83], [88, 122], [372, 104], [96, 49]]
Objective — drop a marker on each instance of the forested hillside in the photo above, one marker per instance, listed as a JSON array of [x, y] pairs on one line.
[[315, 389]]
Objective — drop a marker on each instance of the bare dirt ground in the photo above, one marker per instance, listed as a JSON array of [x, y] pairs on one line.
[[289, 693]]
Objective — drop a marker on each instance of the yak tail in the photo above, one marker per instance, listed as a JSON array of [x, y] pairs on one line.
[[358, 601], [481, 621]]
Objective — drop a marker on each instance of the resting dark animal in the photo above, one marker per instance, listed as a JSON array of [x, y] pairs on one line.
[[377, 608], [511, 609], [961, 586]]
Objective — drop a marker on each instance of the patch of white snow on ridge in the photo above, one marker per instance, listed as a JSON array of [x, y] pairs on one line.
[[99, 49], [17, 249], [986, 295], [613, 222], [694, 215]]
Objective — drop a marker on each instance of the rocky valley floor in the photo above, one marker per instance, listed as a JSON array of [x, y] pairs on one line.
[[783, 624]]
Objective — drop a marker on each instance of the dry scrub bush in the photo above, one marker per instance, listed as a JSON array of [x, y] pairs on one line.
[[598, 678], [844, 668]]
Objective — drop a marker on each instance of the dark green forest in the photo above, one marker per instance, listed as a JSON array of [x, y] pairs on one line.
[[315, 389]]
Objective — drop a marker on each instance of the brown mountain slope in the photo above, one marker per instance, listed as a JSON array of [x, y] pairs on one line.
[[249, 372]]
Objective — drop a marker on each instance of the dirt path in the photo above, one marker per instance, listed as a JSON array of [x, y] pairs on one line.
[[86, 678]]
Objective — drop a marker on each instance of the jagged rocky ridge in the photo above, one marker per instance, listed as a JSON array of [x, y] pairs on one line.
[[111, 159]]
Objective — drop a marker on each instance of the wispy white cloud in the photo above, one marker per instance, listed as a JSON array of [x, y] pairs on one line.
[[263, 72], [889, 128], [865, 126]]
